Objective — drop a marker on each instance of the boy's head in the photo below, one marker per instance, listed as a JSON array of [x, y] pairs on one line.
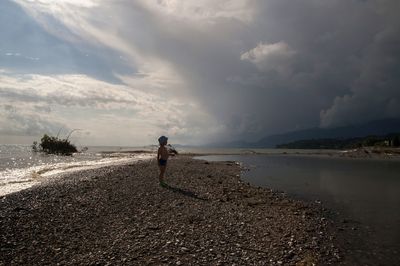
[[163, 140]]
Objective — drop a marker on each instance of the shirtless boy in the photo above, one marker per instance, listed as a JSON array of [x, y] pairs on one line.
[[162, 157]]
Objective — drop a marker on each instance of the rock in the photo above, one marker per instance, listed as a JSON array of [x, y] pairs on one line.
[[126, 214]]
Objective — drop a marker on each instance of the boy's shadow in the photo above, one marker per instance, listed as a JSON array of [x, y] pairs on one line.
[[184, 192]]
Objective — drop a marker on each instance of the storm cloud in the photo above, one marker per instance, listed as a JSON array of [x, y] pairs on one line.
[[214, 70]]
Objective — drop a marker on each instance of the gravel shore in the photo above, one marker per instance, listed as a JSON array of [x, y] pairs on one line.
[[119, 215]]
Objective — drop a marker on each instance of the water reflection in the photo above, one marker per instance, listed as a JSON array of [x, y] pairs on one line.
[[362, 190]]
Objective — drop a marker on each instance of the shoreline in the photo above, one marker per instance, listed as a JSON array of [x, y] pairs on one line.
[[39, 174], [118, 214]]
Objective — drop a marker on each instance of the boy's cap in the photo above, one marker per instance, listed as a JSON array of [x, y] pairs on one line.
[[162, 140]]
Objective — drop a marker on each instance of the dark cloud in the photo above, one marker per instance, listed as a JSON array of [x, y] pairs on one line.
[[375, 92], [254, 67], [295, 65]]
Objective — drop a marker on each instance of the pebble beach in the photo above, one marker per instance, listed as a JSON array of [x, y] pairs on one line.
[[119, 215]]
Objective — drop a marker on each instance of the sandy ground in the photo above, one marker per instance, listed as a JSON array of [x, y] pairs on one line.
[[119, 215]]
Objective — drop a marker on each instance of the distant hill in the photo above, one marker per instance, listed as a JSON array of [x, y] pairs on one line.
[[390, 140], [379, 128]]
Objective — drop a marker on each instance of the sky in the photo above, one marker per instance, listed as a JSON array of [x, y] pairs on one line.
[[124, 72]]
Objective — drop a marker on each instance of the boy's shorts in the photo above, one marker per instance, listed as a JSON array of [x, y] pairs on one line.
[[162, 162]]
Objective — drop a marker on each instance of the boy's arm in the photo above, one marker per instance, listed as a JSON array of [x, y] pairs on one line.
[[158, 154]]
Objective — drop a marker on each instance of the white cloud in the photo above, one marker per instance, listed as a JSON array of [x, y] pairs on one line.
[[267, 57], [205, 11], [153, 100], [51, 4], [118, 114], [26, 121]]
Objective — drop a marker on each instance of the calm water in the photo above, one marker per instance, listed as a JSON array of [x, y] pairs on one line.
[[365, 191]]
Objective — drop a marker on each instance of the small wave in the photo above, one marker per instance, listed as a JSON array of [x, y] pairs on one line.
[[20, 181]]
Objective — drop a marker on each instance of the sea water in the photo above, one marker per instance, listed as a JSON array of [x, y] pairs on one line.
[[361, 190], [22, 168]]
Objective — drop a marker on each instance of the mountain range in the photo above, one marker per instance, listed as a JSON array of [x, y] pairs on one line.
[[377, 128]]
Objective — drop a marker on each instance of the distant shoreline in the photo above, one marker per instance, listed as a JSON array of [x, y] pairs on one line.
[[369, 153]]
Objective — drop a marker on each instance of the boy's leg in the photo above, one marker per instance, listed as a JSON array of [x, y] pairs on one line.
[[162, 172]]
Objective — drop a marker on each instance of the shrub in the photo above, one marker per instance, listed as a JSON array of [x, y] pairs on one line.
[[54, 145]]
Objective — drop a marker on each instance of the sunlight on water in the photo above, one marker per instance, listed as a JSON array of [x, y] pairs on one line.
[[21, 169]]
